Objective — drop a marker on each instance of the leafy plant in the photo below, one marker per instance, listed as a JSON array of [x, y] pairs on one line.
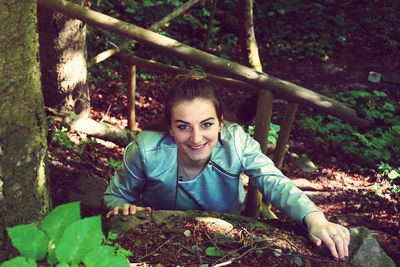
[[379, 146], [272, 133], [63, 239]]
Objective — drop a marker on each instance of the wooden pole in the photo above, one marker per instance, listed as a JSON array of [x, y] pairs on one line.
[[284, 133], [289, 91], [131, 97]]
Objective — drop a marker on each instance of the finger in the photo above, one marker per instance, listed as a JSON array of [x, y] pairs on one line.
[[132, 209], [339, 244], [125, 209], [330, 244], [346, 240], [144, 209], [147, 209], [315, 239], [113, 212]]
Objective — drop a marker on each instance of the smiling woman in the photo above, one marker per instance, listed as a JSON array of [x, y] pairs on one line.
[[196, 165]]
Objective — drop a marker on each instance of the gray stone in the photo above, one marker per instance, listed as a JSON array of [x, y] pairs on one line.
[[366, 251], [89, 191]]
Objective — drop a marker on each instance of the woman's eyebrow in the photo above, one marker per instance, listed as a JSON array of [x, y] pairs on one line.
[[203, 121], [182, 121], [211, 118]]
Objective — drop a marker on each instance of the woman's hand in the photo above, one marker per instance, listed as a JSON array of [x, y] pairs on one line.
[[127, 209], [334, 236]]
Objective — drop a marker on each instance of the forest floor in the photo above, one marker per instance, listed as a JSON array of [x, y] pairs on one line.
[[344, 193]]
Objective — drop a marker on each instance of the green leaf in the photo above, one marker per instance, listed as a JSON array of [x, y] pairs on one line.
[[278, 252], [298, 261], [104, 256], [187, 233], [393, 174], [78, 239], [59, 218], [213, 252], [62, 264], [30, 241], [19, 262], [112, 235]]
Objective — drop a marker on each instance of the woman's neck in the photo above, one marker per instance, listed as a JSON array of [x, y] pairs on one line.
[[191, 166]]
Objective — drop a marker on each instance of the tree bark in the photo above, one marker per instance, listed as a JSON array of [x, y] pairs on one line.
[[24, 188], [289, 91], [264, 104], [63, 56]]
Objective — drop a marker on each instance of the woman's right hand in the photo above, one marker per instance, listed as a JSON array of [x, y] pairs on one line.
[[127, 209]]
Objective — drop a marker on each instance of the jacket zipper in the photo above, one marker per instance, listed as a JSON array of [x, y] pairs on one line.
[[215, 165]]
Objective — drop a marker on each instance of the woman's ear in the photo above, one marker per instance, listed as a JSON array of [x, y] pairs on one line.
[[221, 122], [170, 132]]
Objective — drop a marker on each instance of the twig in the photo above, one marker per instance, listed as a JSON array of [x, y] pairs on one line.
[[148, 254], [108, 110]]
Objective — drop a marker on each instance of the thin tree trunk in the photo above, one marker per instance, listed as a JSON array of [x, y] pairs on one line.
[[24, 188], [131, 97], [264, 105], [289, 91]]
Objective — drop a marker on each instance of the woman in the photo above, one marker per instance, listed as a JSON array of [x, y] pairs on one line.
[[197, 163]]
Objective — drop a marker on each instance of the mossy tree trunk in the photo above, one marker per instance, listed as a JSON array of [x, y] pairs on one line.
[[63, 54], [24, 188]]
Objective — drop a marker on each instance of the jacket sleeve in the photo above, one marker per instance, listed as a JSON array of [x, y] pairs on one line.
[[127, 183], [275, 187]]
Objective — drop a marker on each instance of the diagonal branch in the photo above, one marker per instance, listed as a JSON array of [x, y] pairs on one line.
[[161, 23]]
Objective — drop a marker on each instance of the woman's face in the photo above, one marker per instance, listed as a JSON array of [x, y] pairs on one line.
[[195, 127]]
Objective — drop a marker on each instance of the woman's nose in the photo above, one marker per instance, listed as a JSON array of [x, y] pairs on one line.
[[196, 136]]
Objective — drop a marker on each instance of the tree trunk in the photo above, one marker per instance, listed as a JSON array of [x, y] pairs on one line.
[[63, 62], [264, 104], [24, 189]]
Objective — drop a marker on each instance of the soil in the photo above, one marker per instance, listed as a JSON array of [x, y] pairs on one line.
[[343, 192]]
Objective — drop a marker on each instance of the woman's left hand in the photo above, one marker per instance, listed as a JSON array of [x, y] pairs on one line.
[[334, 236]]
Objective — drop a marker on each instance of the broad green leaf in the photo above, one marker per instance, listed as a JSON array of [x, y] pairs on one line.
[[30, 241], [104, 256], [59, 218], [19, 262], [62, 264], [213, 252], [78, 239]]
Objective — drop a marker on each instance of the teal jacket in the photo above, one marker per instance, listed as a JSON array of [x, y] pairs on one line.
[[149, 174]]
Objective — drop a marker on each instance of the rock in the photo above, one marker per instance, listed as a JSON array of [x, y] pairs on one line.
[[89, 191], [216, 225], [365, 250], [305, 164]]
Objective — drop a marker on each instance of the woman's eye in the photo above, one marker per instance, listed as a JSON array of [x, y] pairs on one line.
[[207, 124], [182, 127]]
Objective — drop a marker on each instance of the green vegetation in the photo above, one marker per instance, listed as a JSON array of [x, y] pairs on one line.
[[377, 148], [64, 239]]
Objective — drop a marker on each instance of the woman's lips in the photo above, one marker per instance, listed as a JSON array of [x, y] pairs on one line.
[[196, 148]]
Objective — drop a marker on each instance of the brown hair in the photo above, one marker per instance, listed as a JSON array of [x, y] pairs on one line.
[[189, 87]]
